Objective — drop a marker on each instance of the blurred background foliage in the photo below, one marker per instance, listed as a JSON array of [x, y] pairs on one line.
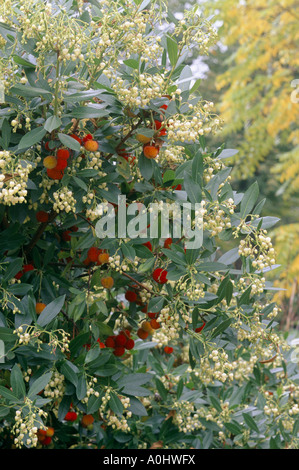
[[252, 75]]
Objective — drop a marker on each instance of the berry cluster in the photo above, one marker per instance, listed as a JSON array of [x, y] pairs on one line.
[[120, 343]]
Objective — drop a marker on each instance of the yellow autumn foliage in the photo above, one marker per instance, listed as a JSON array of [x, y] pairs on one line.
[[260, 100]]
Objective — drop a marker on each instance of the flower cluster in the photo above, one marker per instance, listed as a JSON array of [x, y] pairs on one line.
[[64, 200], [13, 179], [27, 422]]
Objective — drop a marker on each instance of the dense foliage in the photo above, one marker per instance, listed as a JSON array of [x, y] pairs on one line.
[[119, 342]]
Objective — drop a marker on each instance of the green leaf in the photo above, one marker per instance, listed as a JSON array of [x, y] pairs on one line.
[[115, 404], [8, 394], [155, 304], [221, 328], [132, 63], [7, 335], [5, 133], [30, 92], [67, 369], [17, 381], [161, 389], [89, 112], [172, 49], [249, 199], [13, 268], [25, 63], [195, 86], [148, 265], [69, 142], [32, 137], [197, 168], [192, 188], [39, 384], [51, 311], [180, 387], [250, 422], [146, 167], [53, 122]]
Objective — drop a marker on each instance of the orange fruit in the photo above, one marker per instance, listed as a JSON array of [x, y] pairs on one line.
[[50, 432], [103, 258], [91, 145], [150, 151], [142, 334], [107, 282], [39, 307], [87, 420]]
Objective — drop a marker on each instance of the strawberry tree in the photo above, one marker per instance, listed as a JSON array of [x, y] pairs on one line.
[[118, 341]]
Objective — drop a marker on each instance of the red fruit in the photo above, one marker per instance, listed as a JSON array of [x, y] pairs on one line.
[[86, 262], [110, 342], [127, 333], [74, 228], [47, 441], [42, 216], [61, 164], [120, 340], [160, 276], [178, 187], [130, 344], [158, 125], [168, 349], [168, 243], [164, 106], [131, 296], [55, 174], [148, 245], [102, 345], [63, 153], [198, 330], [47, 146], [93, 254], [74, 136], [144, 309], [28, 267], [154, 324], [119, 351], [66, 235], [152, 314], [87, 137], [71, 416], [87, 346]]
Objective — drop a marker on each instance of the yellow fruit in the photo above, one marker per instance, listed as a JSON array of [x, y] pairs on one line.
[[50, 162], [143, 139], [146, 326]]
